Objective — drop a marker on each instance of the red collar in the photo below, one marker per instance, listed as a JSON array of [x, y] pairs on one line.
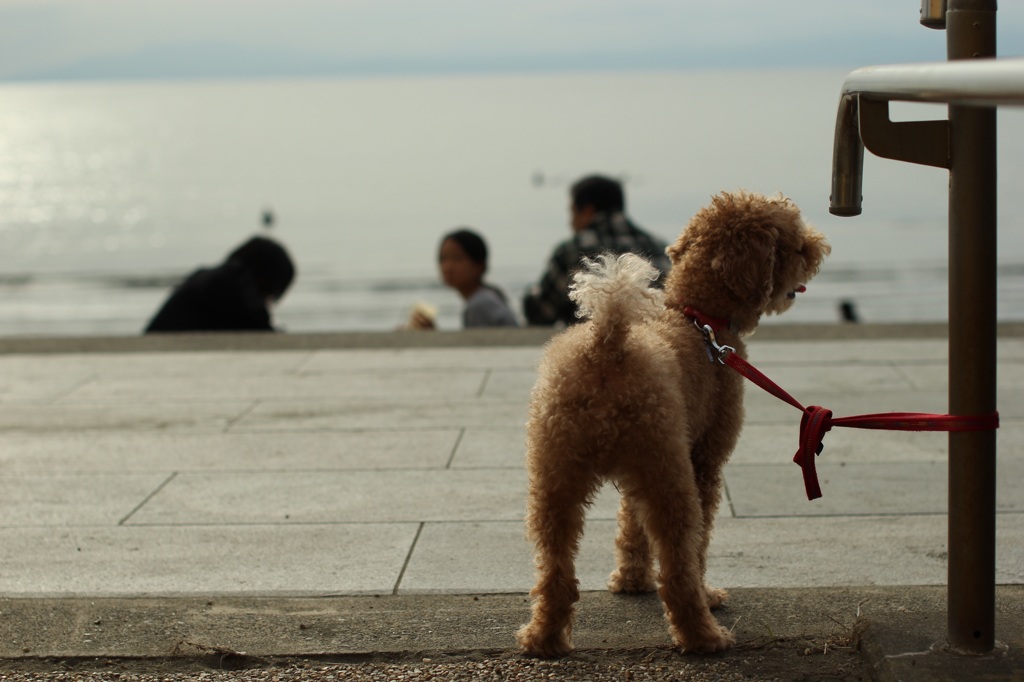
[[717, 324]]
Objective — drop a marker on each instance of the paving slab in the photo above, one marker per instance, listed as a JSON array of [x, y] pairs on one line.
[[381, 414], [844, 550], [140, 415], [851, 489], [436, 359], [491, 447], [124, 451], [355, 496], [58, 500], [172, 561], [809, 347], [816, 379], [494, 557], [409, 384]]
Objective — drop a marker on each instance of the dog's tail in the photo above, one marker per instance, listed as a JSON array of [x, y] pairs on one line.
[[615, 292]]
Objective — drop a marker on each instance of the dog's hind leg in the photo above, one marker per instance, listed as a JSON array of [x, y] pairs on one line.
[[674, 522], [555, 522], [635, 563]]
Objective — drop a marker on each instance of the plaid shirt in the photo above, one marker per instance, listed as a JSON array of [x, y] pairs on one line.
[[548, 302]]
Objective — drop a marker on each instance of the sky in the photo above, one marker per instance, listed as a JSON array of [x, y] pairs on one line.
[[138, 39]]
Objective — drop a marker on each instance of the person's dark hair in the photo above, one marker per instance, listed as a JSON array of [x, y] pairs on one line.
[[472, 243], [269, 263], [476, 249], [603, 193]]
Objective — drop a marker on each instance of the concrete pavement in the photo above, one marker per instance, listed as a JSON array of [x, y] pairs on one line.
[[164, 473]]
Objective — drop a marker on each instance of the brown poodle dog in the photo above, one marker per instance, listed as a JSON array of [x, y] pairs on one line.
[[632, 397]]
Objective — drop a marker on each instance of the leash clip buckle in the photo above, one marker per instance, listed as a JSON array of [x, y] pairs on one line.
[[715, 350]]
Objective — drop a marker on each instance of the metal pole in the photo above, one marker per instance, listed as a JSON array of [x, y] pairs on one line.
[[970, 26]]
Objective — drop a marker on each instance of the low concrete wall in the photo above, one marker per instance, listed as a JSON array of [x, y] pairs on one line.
[[531, 336]]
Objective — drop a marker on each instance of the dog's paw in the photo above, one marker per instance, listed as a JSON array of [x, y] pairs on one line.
[[716, 638], [620, 583], [543, 645], [716, 596]]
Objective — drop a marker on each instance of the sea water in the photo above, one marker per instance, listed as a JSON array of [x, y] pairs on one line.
[[110, 193]]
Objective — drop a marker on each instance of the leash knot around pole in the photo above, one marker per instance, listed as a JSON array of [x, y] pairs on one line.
[[817, 421]]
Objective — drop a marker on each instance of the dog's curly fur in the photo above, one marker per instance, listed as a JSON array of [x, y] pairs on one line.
[[631, 397]]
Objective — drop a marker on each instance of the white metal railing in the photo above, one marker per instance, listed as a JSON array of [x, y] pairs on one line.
[[980, 82]]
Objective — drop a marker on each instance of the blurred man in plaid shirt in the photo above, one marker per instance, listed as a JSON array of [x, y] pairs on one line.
[[599, 224]]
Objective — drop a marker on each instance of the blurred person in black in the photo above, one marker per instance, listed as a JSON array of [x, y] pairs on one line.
[[234, 296]]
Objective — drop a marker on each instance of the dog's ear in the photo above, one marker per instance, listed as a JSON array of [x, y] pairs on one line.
[[675, 251], [814, 249], [747, 267]]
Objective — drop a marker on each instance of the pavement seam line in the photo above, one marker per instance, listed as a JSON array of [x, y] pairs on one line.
[[408, 557], [303, 362], [455, 448], [240, 416], [483, 384], [728, 499], [68, 390], [902, 374], [149, 497]]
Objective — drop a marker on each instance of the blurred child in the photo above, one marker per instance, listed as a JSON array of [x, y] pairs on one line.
[[462, 259]]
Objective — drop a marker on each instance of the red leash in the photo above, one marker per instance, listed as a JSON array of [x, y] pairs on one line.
[[817, 421]]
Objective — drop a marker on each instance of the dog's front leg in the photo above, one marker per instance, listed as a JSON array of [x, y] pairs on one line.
[[634, 571]]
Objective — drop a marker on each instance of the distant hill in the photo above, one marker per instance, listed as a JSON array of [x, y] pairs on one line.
[[194, 60], [223, 60], [217, 60]]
